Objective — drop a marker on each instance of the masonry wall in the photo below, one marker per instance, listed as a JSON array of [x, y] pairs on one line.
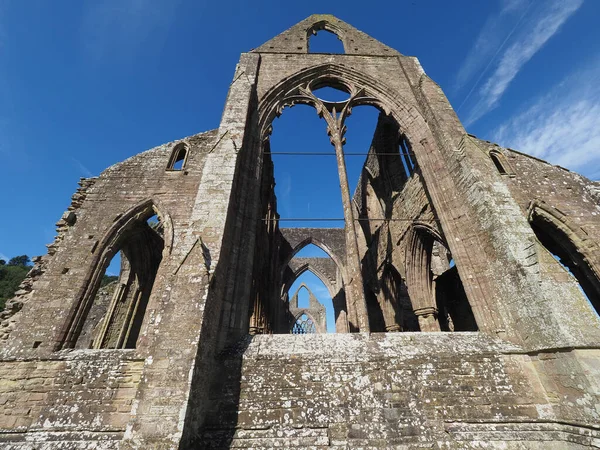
[[80, 400], [385, 390], [66, 396]]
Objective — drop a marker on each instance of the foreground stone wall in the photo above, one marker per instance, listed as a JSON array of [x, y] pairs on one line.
[[402, 390], [78, 399]]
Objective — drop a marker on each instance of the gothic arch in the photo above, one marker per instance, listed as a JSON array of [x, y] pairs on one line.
[[180, 152], [316, 242], [298, 316], [325, 25], [501, 163], [104, 251], [287, 283], [428, 299], [431, 159], [559, 235], [372, 92]]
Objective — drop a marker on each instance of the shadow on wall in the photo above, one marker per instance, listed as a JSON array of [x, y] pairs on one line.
[[218, 430]]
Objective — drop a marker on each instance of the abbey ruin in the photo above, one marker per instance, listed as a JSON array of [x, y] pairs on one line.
[[465, 285]]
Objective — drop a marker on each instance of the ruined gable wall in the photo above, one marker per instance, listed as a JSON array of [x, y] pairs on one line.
[[570, 198], [295, 39], [118, 189], [49, 394]]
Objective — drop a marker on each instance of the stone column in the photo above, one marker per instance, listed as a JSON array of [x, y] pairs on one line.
[[355, 298]]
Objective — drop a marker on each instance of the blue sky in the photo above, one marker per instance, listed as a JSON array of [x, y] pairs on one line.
[[86, 84]]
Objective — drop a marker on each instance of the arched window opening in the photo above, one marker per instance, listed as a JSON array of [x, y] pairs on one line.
[[305, 170], [178, 158], [303, 300], [304, 325], [317, 303], [435, 288], [119, 300], [502, 165], [324, 41], [498, 164], [570, 257]]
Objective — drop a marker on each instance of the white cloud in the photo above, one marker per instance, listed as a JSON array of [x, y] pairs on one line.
[[562, 126], [492, 37], [4, 257], [531, 37]]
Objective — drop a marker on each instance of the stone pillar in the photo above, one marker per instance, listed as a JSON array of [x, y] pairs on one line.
[[355, 298], [428, 318], [419, 280]]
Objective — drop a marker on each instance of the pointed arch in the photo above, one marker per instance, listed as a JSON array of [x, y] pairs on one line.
[[374, 93], [439, 300], [326, 26], [287, 284], [565, 239], [128, 225], [425, 146], [306, 326], [316, 242]]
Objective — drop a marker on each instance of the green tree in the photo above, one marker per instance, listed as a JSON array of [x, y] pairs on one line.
[[107, 279], [10, 279], [22, 260]]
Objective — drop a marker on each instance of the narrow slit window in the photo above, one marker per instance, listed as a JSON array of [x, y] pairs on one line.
[[501, 164], [407, 162]]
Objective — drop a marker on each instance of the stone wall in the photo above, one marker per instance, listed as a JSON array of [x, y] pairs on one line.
[[75, 399], [401, 390]]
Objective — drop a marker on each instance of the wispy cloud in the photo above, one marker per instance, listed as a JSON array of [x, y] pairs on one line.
[[4, 257], [120, 29], [496, 30], [543, 23], [562, 126], [82, 169]]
